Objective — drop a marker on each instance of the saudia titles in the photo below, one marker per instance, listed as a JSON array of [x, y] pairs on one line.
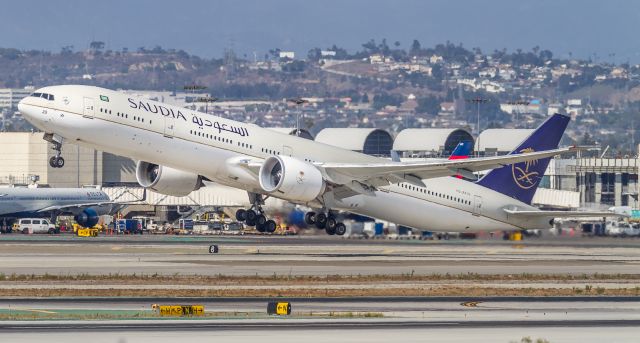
[[524, 178], [200, 122], [155, 109]]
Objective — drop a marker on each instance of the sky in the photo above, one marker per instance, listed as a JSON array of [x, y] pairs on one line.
[[596, 29]]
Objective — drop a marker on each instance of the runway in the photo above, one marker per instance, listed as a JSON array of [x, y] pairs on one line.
[[292, 265], [460, 319], [310, 256]]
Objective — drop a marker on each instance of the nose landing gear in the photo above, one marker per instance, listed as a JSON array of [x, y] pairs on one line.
[[56, 161], [326, 221]]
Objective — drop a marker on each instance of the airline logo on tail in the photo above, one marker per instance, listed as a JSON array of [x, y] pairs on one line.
[[462, 151], [524, 178]]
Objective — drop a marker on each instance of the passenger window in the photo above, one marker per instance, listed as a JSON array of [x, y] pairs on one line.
[[26, 221], [36, 221]]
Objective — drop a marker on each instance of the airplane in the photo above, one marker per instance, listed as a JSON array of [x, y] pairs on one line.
[[85, 204], [178, 149]]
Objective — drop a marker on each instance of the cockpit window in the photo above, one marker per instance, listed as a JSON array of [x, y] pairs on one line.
[[42, 95]]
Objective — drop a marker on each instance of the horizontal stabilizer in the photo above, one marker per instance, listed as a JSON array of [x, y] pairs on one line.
[[564, 214]]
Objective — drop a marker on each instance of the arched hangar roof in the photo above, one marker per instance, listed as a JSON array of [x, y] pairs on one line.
[[370, 141], [502, 140], [436, 140], [292, 131]]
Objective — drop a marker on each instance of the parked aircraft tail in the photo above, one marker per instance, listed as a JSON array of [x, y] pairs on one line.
[[462, 151]]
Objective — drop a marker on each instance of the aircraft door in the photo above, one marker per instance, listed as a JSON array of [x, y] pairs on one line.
[[89, 108], [287, 151], [169, 126], [477, 205]]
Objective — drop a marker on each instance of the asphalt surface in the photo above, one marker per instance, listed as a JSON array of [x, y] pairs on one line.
[[202, 325], [406, 319], [623, 334], [319, 239], [249, 256], [409, 319]]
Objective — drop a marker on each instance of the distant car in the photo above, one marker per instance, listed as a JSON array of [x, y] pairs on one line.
[[36, 225]]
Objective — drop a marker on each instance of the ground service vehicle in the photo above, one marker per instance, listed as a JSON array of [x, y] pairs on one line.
[[36, 225], [129, 226]]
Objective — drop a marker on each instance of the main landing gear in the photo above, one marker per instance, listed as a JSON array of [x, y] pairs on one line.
[[254, 216], [326, 221], [55, 161]]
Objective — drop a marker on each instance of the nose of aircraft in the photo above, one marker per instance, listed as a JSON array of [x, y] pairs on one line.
[[21, 106]]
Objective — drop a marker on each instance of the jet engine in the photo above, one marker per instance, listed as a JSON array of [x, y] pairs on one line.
[[87, 218], [165, 180], [291, 179]]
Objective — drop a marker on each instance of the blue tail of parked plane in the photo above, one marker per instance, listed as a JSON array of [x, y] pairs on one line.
[[520, 180], [462, 151]]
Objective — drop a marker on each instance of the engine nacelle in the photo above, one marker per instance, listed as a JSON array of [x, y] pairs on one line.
[[165, 180], [291, 179], [87, 218]]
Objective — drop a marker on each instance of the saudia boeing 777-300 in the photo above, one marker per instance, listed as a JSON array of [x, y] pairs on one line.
[[179, 149]]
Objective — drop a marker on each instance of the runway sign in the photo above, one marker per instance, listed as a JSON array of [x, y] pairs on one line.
[[179, 310], [279, 308]]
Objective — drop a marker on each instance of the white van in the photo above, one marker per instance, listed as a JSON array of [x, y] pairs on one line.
[[36, 225]]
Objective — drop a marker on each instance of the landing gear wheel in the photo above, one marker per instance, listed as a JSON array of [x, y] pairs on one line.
[[261, 220], [321, 220], [331, 223], [241, 215], [250, 222], [310, 218], [270, 226], [56, 162], [250, 215], [340, 229], [330, 231], [260, 228]]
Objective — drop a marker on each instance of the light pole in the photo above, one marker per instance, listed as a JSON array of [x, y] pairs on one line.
[[478, 100], [206, 101]]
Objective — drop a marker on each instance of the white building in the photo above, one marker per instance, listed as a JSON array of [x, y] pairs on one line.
[[287, 54], [9, 97]]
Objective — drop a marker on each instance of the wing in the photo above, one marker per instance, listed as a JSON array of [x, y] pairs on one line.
[[381, 174], [564, 214]]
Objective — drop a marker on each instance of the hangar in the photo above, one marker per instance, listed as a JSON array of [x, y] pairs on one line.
[[493, 142], [429, 142], [375, 142], [292, 131]]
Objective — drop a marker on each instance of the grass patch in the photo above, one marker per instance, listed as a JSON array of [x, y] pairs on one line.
[[274, 278], [446, 290]]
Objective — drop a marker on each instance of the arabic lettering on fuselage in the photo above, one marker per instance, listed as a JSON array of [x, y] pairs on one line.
[[165, 111]]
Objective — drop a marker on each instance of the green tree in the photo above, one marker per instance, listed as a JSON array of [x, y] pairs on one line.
[[429, 105], [415, 48]]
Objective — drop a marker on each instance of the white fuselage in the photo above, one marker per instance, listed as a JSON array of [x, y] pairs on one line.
[[34, 200], [211, 146]]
